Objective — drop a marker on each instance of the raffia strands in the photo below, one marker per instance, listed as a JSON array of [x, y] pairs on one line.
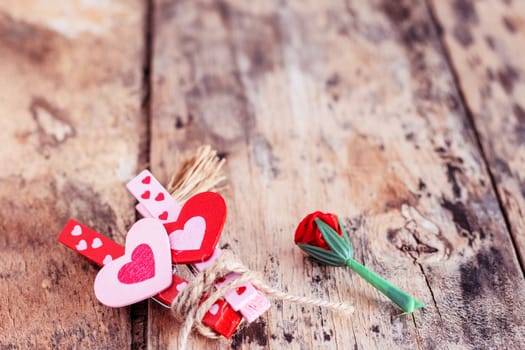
[[186, 307], [203, 172]]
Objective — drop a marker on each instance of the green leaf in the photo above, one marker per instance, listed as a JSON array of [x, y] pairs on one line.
[[325, 256], [345, 236], [336, 243]]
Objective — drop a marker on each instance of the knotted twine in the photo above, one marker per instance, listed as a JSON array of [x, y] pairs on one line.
[[203, 172]]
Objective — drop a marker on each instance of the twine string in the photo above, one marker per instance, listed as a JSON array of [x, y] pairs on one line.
[[188, 308]]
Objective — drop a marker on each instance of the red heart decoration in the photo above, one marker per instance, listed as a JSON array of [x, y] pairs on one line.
[[145, 195], [146, 180], [140, 268], [163, 216], [160, 197], [212, 208], [240, 290]]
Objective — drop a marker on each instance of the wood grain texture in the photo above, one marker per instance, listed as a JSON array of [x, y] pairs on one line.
[[350, 108], [70, 109], [485, 41]]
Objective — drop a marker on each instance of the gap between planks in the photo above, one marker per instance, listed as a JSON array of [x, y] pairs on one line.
[[139, 313], [472, 124]]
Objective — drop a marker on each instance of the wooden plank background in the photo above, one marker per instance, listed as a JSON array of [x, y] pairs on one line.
[[404, 117]]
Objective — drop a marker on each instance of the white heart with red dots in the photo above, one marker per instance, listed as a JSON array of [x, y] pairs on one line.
[[153, 196]]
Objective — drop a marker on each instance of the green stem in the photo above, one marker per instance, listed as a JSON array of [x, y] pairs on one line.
[[405, 301]]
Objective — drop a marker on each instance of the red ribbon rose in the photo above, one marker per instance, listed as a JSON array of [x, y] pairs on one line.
[[318, 228], [308, 233]]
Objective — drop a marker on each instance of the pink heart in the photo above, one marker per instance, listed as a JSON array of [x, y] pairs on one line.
[[143, 270], [190, 238], [141, 267]]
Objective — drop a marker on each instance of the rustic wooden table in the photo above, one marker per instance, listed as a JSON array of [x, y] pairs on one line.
[[407, 118]]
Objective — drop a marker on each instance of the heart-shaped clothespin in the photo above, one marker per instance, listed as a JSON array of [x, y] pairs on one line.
[[195, 234], [194, 230], [143, 271]]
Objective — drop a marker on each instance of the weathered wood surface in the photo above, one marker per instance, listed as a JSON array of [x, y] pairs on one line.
[[353, 109], [485, 41], [349, 107], [70, 109]]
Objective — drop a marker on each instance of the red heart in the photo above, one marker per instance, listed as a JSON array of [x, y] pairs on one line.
[[140, 268], [160, 197], [212, 208], [145, 195], [146, 180], [163, 216], [240, 290]]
